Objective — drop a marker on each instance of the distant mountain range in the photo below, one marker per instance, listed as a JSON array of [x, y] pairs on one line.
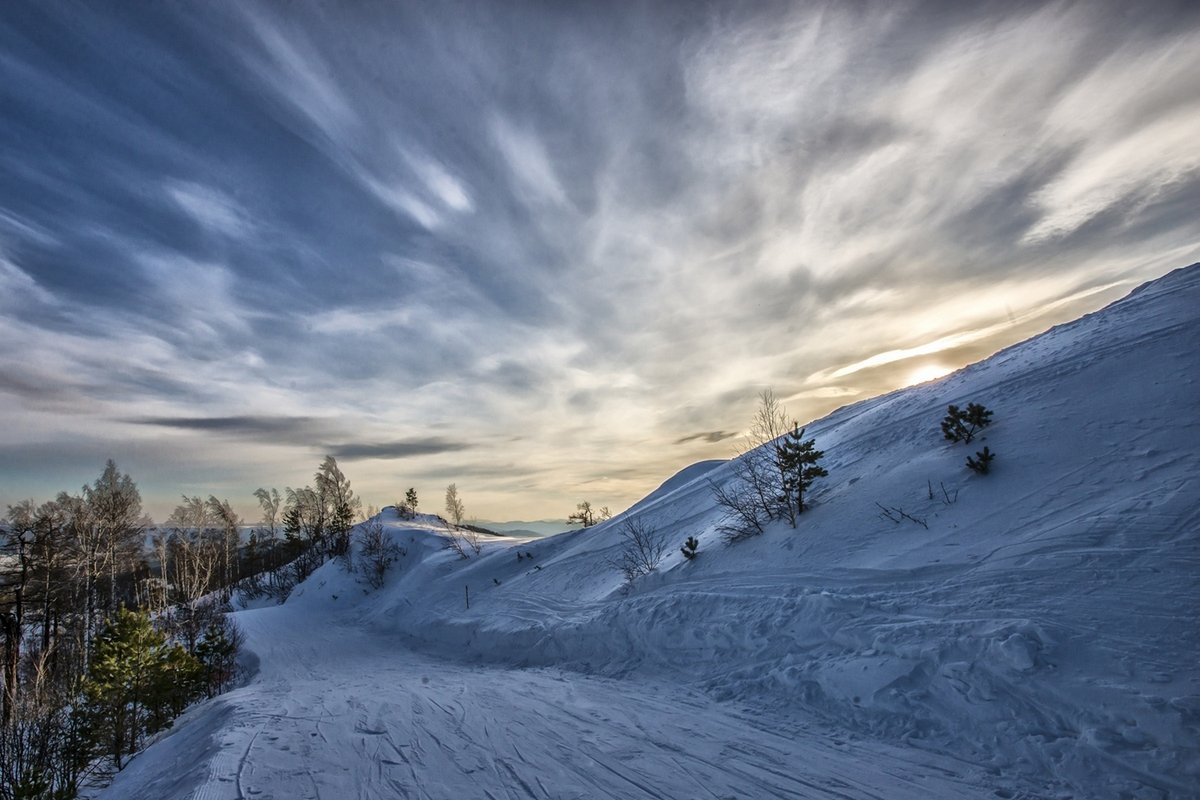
[[539, 527]]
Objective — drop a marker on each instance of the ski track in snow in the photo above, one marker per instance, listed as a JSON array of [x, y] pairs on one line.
[[338, 713], [1037, 640]]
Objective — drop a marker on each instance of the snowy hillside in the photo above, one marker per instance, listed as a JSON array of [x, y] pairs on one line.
[[1035, 637]]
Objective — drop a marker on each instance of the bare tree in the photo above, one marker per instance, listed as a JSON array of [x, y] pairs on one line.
[[116, 506], [456, 543], [195, 550], [340, 503], [229, 524], [471, 537], [105, 524], [642, 550], [377, 553], [584, 514], [455, 510], [271, 504]]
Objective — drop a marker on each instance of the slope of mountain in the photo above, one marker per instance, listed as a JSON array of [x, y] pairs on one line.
[[1026, 633]]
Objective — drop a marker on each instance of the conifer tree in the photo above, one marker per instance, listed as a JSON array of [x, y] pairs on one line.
[[410, 500], [961, 426], [217, 654], [982, 461], [134, 682], [690, 548], [796, 459]]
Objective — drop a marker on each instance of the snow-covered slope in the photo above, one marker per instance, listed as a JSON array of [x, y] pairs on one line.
[[1036, 636]]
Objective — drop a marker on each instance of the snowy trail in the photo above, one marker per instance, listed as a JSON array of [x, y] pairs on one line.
[[335, 712]]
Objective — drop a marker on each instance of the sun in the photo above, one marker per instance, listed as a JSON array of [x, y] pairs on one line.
[[927, 372]]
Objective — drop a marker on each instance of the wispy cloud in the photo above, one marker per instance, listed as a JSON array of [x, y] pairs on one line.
[[242, 425], [711, 437], [18, 288], [438, 180], [295, 70], [528, 161], [210, 208], [407, 448]]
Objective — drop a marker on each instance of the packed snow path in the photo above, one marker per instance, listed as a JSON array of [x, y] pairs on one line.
[[334, 713]]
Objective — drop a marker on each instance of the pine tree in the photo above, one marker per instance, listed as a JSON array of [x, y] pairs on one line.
[[690, 548], [134, 682], [982, 461], [796, 459], [410, 501], [217, 656], [961, 426]]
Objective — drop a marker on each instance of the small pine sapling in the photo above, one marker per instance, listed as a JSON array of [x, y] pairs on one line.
[[961, 425], [690, 547], [982, 461], [796, 459]]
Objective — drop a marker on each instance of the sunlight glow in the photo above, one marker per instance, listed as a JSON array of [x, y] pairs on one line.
[[927, 372]]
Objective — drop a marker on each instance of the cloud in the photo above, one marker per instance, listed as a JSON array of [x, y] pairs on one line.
[[438, 180], [18, 288], [210, 208], [528, 161], [26, 230], [277, 430], [403, 201], [825, 392], [710, 437], [407, 448], [957, 340], [296, 71]]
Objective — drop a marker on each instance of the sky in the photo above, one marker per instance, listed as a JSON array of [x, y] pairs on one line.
[[548, 251]]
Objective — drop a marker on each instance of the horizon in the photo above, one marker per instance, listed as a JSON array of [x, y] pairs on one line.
[[548, 254]]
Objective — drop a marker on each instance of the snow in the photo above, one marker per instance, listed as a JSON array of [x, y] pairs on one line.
[[1036, 639]]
